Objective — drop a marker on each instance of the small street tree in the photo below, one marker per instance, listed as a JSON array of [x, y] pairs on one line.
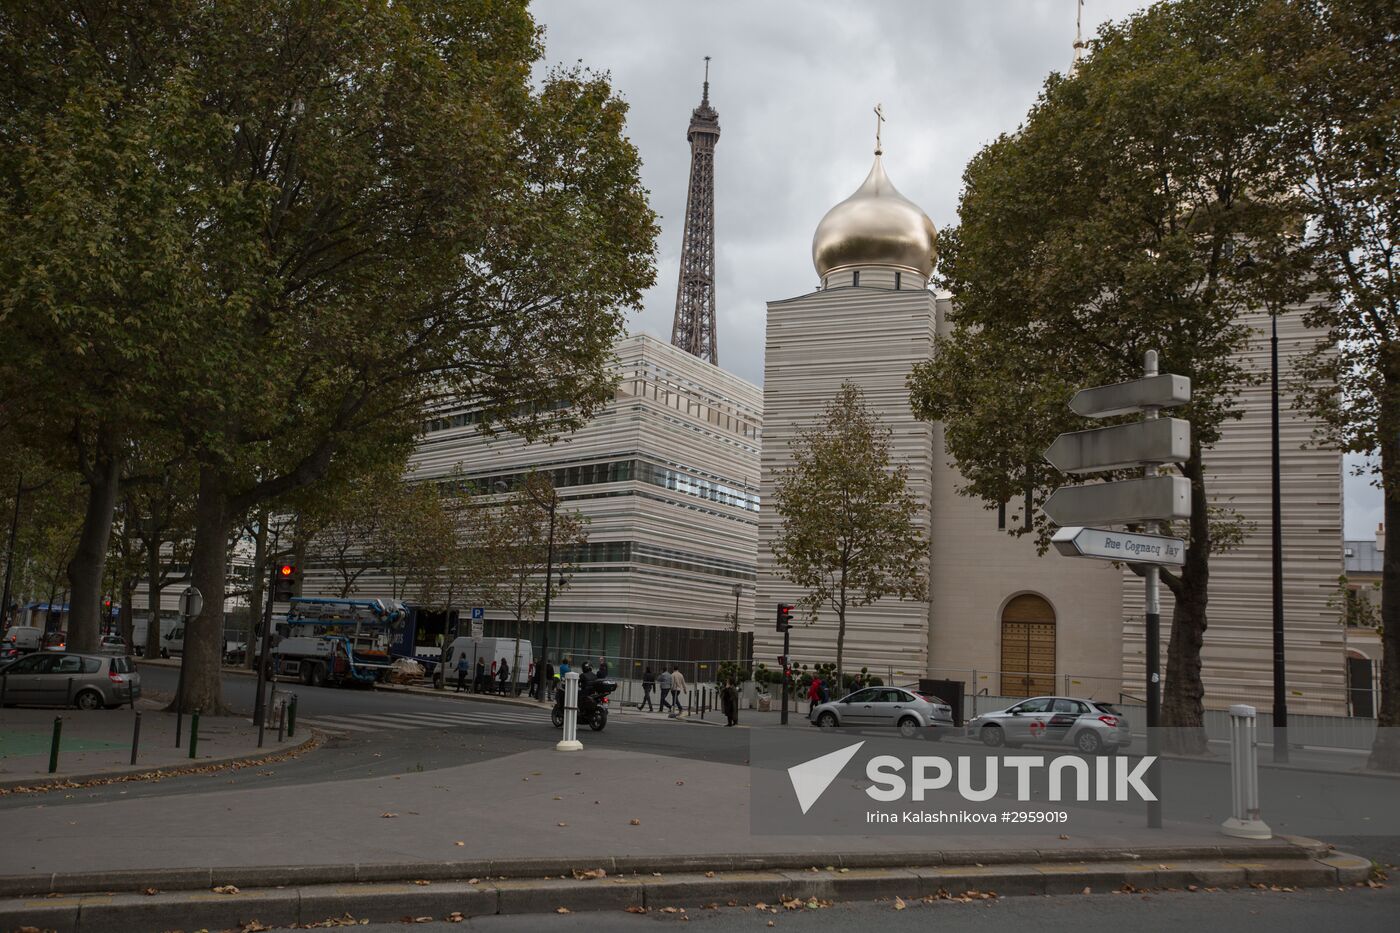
[[513, 538], [851, 531]]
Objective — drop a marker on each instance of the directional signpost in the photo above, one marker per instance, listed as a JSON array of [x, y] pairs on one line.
[[1152, 498], [1119, 545]]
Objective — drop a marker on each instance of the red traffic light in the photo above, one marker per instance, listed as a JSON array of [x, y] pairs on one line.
[[784, 616], [286, 570]]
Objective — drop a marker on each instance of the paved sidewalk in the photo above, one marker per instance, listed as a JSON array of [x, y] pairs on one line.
[[98, 743], [536, 803]]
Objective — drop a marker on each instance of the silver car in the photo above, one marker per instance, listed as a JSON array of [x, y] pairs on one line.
[[895, 707], [62, 678], [1089, 725]]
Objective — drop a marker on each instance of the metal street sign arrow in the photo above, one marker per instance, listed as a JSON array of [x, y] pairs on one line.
[[1119, 545], [1122, 398], [1161, 440], [1152, 498]]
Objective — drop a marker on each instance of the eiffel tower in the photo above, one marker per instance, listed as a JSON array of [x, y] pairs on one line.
[[694, 327]]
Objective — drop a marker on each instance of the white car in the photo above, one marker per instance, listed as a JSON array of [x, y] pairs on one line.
[[1091, 726], [896, 707]]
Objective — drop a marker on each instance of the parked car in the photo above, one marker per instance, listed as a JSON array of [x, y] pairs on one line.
[[56, 641], [896, 707], [1089, 725], [112, 644], [87, 681]]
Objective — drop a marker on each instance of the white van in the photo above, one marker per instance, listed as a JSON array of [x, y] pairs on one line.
[[24, 637], [173, 641], [493, 651]]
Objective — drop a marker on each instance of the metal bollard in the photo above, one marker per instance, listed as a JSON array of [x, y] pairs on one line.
[[53, 748], [569, 742], [135, 738], [292, 717], [194, 732], [1244, 776]]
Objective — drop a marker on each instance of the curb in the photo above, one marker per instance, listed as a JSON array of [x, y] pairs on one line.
[[174, 664], [457, 892], [47, 782], [1297, 848]]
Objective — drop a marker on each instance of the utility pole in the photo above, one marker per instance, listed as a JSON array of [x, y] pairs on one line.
[[738, 589]]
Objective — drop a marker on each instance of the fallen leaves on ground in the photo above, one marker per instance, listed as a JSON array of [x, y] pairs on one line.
[[344, 920], [150, 891], [636, 909], [563, 824], [562, 910], [899, 903], [388, 816], [254, 926], [226, 889], [590, 873], [634, 822], [459, 843], [421, 881], [454, 917]]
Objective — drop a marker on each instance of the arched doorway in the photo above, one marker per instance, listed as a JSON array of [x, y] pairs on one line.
[[1027, 647]]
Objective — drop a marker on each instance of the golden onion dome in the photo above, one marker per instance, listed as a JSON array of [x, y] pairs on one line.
[[876, 226]]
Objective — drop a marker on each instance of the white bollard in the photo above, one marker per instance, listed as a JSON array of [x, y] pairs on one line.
[[1244, 776], [570, 742]]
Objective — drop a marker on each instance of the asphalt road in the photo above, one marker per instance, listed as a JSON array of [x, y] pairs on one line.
[[395, 733], [1355, 909]]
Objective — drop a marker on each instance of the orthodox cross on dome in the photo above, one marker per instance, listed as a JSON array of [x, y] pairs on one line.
[[879, 119]]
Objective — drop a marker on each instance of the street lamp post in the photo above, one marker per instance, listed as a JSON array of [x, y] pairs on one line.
[[738, 589], [548, 588], [1280, 693]]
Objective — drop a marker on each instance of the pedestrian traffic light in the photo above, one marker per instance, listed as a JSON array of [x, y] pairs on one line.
[[286, 583], [784, 617]]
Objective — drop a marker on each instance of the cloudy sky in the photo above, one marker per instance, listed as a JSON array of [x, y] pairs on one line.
[[795, 84]]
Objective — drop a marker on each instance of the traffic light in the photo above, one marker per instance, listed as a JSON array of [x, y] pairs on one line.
[[286, 583], [784, 617]]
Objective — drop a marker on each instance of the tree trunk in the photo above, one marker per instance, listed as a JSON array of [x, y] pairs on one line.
[[86, 567], [1183, 709], [261, 560], [1385, 752], [204, 636], [153, 588]]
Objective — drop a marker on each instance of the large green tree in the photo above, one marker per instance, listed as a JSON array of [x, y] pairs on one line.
[[1343, 131], [1140, 206], [850, 534], [376, 207], [101, 260]]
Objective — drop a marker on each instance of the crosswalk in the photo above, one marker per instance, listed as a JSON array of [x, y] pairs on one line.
[[478, 715]]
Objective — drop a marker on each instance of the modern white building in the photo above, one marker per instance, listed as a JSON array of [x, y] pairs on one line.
[[666, 475], [998, 616]]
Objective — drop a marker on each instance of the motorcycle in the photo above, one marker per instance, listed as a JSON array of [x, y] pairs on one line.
[[592, 704]]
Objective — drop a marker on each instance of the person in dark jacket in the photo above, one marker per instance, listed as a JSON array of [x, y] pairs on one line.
[[503, 676], [648, 684], [480, 685], [729, 699], [463, 668], [602, 668]]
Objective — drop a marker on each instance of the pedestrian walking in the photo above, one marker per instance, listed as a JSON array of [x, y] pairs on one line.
[[564, 667], [479, 685], [825, 692], [550, 678], [665, 683], [729, 699], [648, 684], [602, 668], [814, 694], [463, 669], [503, 677], [677, 691]]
